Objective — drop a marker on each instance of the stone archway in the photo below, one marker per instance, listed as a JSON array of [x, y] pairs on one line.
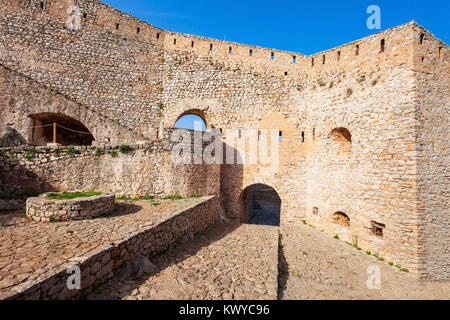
[[198, 114], [340, 141], [58, 128], [210, 110], [341, 218], [260, 204]]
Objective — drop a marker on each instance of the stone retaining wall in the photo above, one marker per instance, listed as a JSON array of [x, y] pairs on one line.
[[44, 209], [135, 171], [103, 263]]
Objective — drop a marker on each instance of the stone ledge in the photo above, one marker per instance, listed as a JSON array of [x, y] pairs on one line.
[[44, 209]]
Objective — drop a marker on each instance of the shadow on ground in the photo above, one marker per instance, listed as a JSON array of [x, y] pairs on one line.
[[178, 253], [9, 218], [124, 209], [283, 268]]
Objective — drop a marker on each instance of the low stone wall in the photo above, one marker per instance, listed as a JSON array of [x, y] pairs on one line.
[[136, 170], [103, 263], [44, 209]]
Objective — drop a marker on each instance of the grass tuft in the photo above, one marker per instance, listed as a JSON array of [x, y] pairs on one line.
[[72, 150], [125, 149], [72, 195], [30, 155], [53, 219], [175, 197]]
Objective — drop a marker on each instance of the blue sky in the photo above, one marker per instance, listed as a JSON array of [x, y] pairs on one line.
[[301, 26], [188, 122]]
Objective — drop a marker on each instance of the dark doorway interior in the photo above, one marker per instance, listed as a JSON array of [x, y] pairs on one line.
[[47, 128], [260, 204]]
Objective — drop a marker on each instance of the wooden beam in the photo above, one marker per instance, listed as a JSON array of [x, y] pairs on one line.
[[54, 132]]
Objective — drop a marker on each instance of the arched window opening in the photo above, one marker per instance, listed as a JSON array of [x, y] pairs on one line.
[[341, 140], [55, 128], [341, 219], [192, 120], [260, 204]]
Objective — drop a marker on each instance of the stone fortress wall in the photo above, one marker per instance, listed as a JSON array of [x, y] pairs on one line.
[[145, 170], [135, 79]]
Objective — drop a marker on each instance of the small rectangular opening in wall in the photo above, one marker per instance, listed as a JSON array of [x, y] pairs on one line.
[[440, 52], [312, 62], [285, 73], [138, 30], [117, 26], [192, 44], [42, 5], [323, 59], [382, 45], [272, 56], [338, 55], [303, 136], [157, 36], [85, 15], [281, 136], [211, 47], [315, 211], [250, 53], [422, 36], [357, 50], [377, 228], [174, 42], [294, 59], [230, 50], [259, 135]]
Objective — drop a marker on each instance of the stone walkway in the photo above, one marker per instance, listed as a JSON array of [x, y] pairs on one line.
[[225, 262], [239, 262], [316, 266], [29, 250]]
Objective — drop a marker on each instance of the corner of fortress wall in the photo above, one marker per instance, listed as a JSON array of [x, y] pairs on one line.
[[394, 103], [432, 75]]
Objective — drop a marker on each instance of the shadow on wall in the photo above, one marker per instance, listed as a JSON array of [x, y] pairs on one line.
[[231, 182], [11, 138], [11, 173]]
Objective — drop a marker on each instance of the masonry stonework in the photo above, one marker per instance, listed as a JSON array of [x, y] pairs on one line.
[[45, 209], [364, 125]]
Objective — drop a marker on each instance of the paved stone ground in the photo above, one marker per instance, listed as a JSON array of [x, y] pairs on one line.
[[316, 266], [29, 249], [227, 261]]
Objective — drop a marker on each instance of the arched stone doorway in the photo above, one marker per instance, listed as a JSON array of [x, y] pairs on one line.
[[340, 141], [187, 119], [47, 128], [341, 219], [260, 204]]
